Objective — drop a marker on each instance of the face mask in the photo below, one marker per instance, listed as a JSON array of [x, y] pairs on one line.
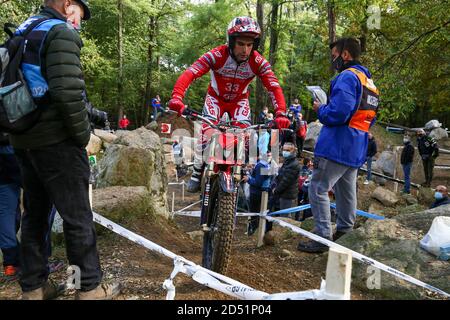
[[286, 154], [438, 195], [338, 63], [405, 141]]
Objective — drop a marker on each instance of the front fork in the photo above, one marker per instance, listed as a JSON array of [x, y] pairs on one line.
[[229, 177]]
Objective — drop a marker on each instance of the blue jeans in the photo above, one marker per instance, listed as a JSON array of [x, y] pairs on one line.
[[369, 168], [9, 223], [407, 172], [156, 111]]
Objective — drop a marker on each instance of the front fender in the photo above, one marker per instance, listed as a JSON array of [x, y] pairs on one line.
[[226, 182]]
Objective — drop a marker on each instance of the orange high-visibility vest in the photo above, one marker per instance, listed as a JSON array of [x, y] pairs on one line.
[[368, 105]]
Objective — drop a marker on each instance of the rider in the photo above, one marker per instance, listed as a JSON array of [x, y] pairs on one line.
[[232, 67]]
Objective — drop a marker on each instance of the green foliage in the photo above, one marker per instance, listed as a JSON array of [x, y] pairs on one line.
[[409, 56]]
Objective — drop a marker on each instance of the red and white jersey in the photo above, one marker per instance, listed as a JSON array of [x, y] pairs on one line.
[[230, 80]]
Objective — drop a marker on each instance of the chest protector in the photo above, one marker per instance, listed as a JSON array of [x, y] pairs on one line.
[[31, 63], [368, 104]]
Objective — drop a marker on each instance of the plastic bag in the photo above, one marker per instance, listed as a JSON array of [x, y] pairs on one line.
[[433, 124], [437, 236]]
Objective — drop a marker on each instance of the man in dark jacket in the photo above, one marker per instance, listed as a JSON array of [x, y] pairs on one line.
[[287, 180], [406, 160], [52, 155], [341, 148], [441, 196], [429, 151], [371, 152]]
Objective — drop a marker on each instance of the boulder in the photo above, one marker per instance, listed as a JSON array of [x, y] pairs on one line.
[[426, 196], [152, 126], [395, 242], [379, 180], [136, 159], [94, 146], [312, 135], [410, 199], [386, 197], [105, 136], [122, 203], [439, 134], [385, 163]]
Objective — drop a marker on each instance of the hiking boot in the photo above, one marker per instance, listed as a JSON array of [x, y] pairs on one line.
[[338, 234], [48, 291], [193, 186], [252, 226], [312, 247], [104, 291]]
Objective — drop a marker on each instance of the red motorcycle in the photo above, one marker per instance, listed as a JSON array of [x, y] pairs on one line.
[[221, 178]]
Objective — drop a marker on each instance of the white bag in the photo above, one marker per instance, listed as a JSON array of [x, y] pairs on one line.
[[438, 236]]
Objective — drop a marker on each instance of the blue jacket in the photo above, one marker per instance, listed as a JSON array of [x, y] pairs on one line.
[[296, 109], [156, 104], [259, 181], [337, 141]]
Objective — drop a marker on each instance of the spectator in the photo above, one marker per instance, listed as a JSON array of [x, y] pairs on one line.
[[262, 118], [177, 148], [259, 181], [371, 152], [296, 108], [9, 208], [124, 123], [429, 151], [157, 109], [269, 117], [287, 180], [301, 130], [406, 160], [341, 148], [441, 196], [52, 156]]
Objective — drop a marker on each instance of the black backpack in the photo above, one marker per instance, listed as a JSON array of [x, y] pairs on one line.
[[18, 111]]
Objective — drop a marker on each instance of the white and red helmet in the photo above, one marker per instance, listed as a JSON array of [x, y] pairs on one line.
[[243, 27]]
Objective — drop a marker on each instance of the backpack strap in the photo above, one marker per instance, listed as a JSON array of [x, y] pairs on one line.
[[8, 29], [33, 25]]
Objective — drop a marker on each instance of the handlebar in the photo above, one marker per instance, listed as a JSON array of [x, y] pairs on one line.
[[194, 115]]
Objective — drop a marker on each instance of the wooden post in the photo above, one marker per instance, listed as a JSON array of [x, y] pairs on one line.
[[90, 194], [182, 191], [262, 221], [173, 201], [339, 275]]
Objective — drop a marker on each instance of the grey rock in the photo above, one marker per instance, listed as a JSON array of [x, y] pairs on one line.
[[312, 135], [386, 197], [196, 235], [136, 159], [395, 242]]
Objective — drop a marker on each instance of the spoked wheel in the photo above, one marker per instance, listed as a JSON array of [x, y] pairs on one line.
[[217, 241]]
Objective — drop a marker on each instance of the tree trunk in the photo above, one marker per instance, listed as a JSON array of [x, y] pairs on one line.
[[273, 33], [148, 85], [331, 28], [120, 57], [260, 94]]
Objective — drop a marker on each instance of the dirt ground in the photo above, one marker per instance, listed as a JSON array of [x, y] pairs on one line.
[[142, 272]]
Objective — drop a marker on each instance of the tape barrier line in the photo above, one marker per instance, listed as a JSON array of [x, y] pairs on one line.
[[363, 213], [333, 205], [230, 286], [197, 214], [207, 277], [360, 257]]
